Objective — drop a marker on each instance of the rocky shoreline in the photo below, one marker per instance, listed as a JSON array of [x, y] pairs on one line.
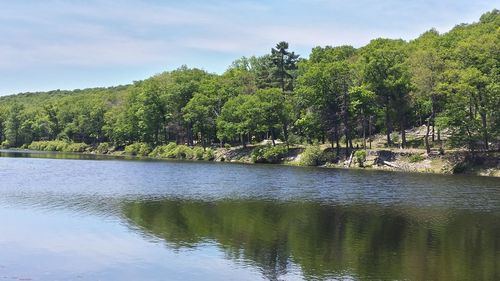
[[402, 160], [416, 161]]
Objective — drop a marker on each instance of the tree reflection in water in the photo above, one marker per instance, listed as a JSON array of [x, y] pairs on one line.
[[328, 241]]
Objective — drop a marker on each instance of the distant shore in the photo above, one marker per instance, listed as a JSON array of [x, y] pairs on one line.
[[402, 160]]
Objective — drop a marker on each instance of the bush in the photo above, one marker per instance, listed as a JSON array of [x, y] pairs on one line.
[[75, 147], [360, 156], [183, 152], [227, 146], [138, 148], [58, 145], [103, 148], [36, 145], [312, 156], [395, 138], [268, 154], [209, 154], [198, 153], [415, 158], [164, 151], [6, 144], [294, 139], [328, 156]]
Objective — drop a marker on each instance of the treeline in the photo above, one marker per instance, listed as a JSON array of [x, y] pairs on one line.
[[338, 95]]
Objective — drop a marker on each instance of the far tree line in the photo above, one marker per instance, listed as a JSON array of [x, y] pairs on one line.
[[340, 94]]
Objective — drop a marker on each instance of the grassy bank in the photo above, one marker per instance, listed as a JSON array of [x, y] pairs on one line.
[[407, 160]]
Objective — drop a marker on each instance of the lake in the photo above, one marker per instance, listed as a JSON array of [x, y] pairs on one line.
[[98, 218]]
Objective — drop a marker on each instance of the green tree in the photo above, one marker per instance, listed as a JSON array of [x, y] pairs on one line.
[[385, 71], [285, 62], [363, 107], [13, 126]]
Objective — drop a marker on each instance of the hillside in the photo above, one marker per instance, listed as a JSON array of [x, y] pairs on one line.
[[345, 97]]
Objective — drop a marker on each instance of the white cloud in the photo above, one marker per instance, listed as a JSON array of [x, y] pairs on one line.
[[66, 36]]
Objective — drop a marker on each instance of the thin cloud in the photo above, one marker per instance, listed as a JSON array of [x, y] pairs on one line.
[[108, 37]]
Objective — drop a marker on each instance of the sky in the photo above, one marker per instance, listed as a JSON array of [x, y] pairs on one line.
[[56, 44]]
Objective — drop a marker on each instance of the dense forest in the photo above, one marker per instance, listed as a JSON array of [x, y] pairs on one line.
[[339, 95]]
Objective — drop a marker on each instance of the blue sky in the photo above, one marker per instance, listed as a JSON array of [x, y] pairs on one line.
[[55, 44]]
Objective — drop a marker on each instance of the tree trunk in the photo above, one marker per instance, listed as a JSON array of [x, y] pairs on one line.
[[285, 134], [426, 138], [433, 114], [403, 132], [363, 128], [347, 128], [336, 137], [242, 140], [485, 130], [370, 131], [388, 122], [347, 150], [273, 137], [433, 126]]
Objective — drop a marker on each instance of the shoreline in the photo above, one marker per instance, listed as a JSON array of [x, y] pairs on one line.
[[451, 163]]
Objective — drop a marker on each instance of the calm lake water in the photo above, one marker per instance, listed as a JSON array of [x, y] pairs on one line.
[[94, 219]]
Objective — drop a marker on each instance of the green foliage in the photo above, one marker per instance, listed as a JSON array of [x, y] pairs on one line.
[[164, 151], [312, 156], [183, 152], [104, 148], [76, 147], [360, 156], [262, 112], [6, 144], [269, 154], [284, 63], [414, 158], [448, 80], [209, 154], [138, 148], [58, 145], [198, 153]]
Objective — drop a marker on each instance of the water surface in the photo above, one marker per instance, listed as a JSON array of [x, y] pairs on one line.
[[110, 219]]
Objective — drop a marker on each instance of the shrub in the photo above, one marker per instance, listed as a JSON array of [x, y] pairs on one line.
[[329, 156], [227, 146], [198, 153], [6, 144], [132, 149], [415, 158], [58, 145], [268, 154], [36, 145], [312, 156], [164, 151], [294, 139], [138, 148], [103, 148], [75, 147], [360, 156], [144, 149], [183, 152], [209, 154], [395, 138]]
